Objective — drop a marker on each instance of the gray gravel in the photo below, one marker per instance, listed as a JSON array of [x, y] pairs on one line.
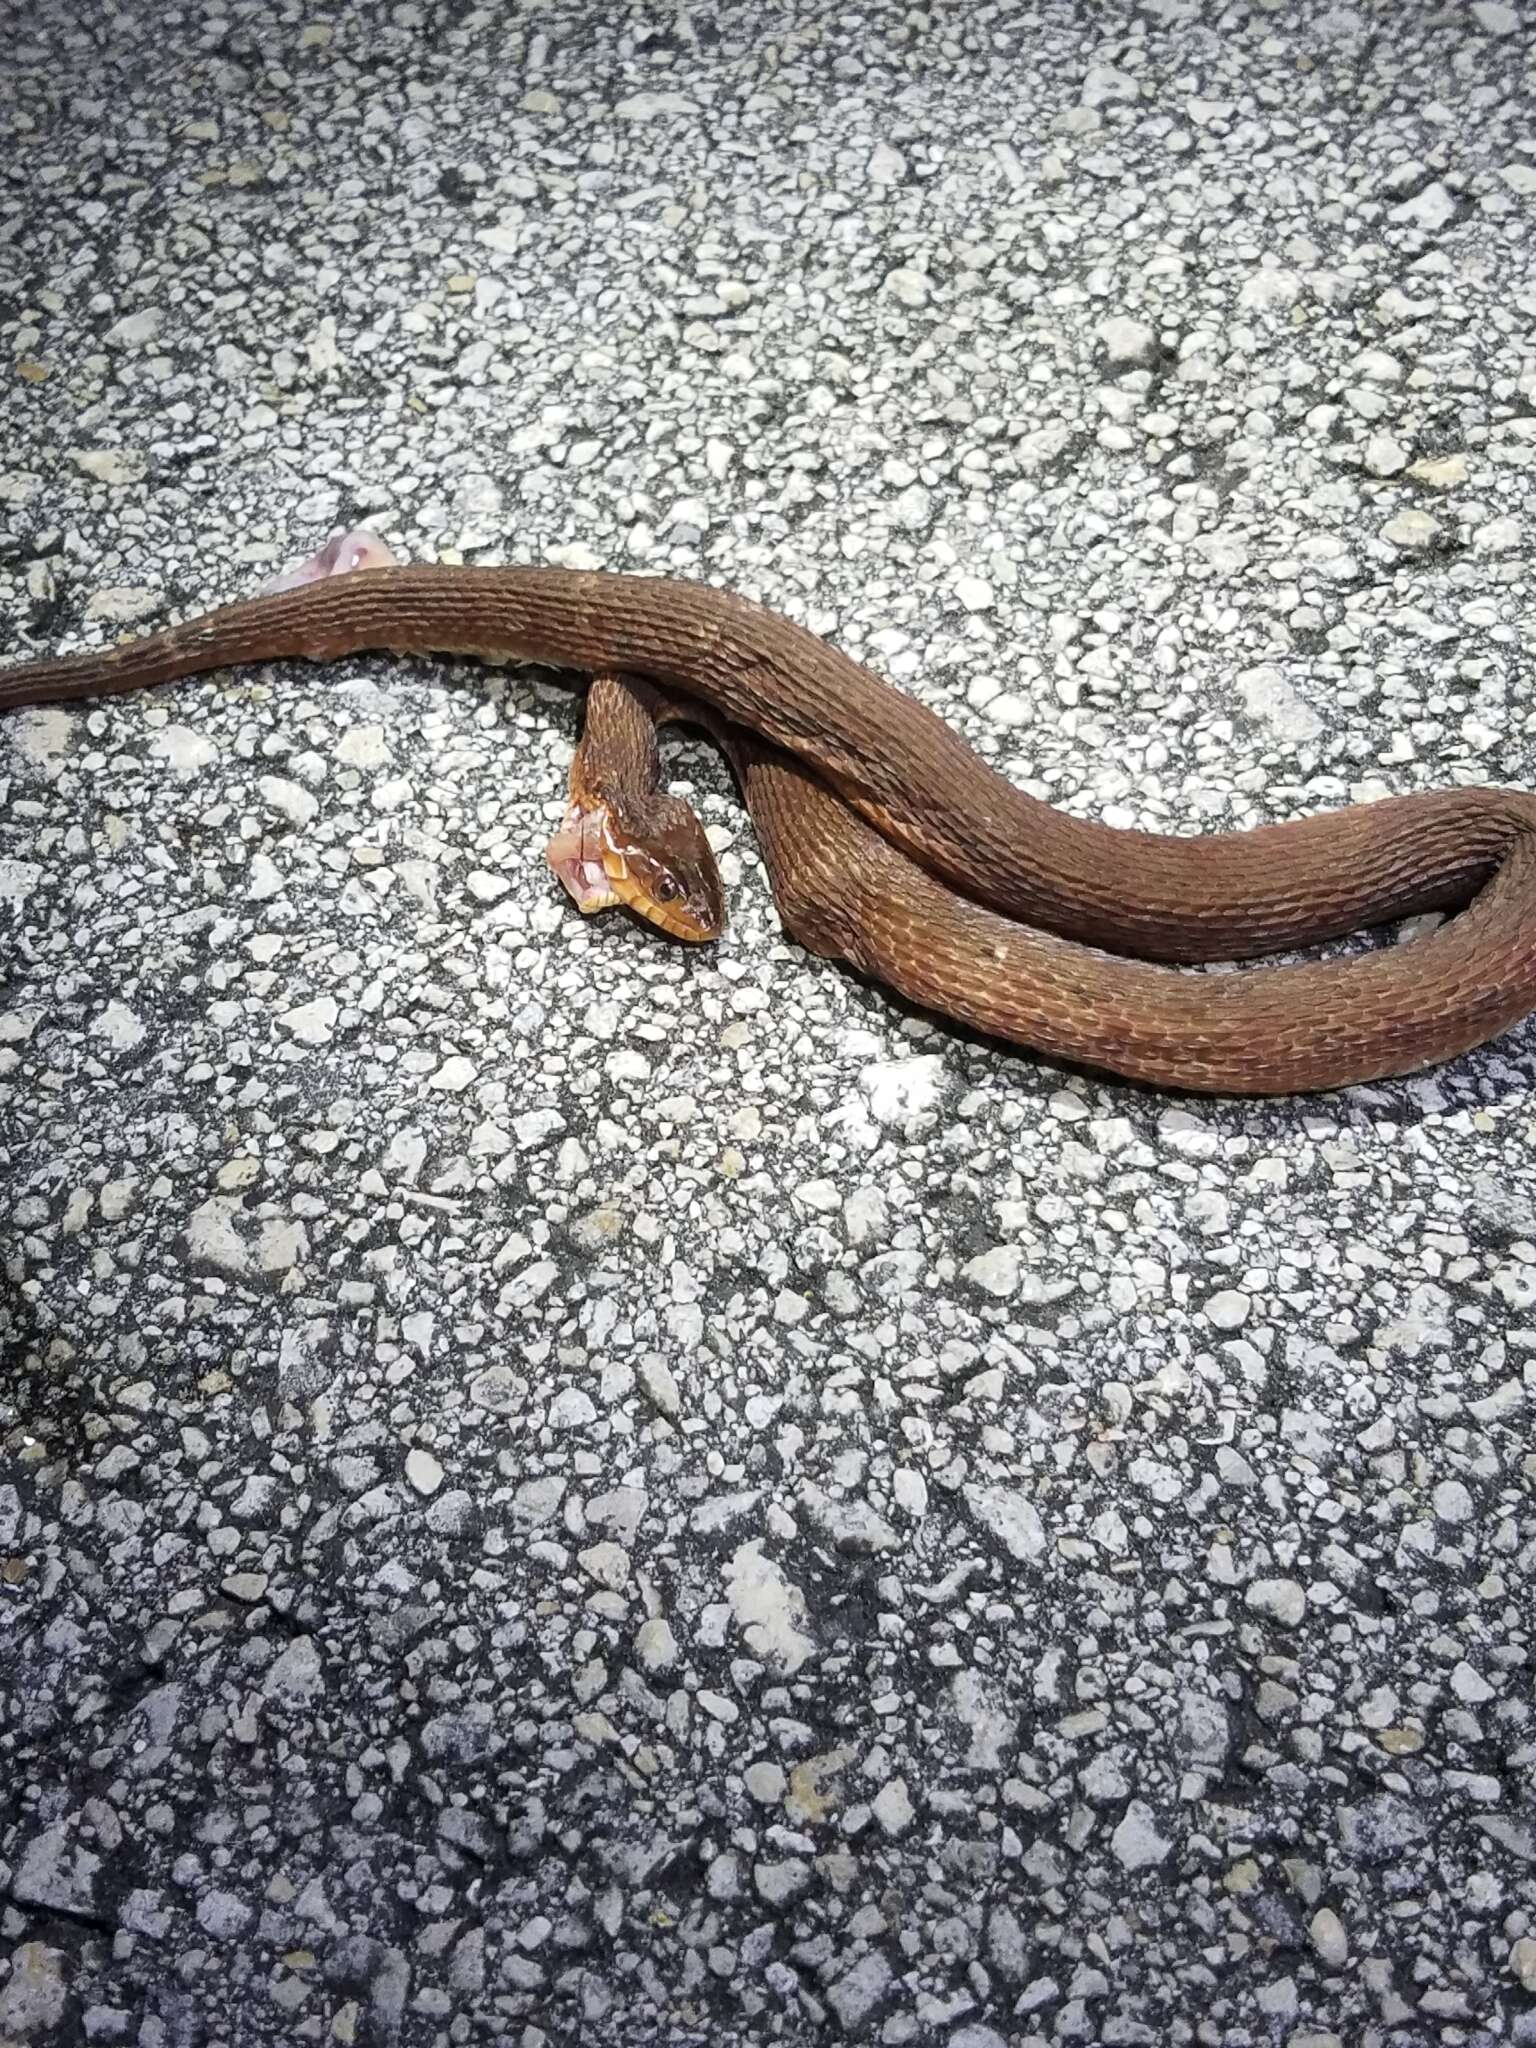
[[559, 1490]]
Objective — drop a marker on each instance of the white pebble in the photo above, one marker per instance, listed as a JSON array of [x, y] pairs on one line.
[[1326, 1931], [995, 1272], [1137, 1841], [1127, 344], [312, 1023], [909, 286], [625, 1063], [655, 1645], [892, 1806], [1229, 1309], [423, 1471], [571, 1409], [290, 798], [1283, 1600], [1411, 529], [120, 1027]]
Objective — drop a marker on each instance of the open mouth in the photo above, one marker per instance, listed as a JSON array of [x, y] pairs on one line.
[[584, 857]]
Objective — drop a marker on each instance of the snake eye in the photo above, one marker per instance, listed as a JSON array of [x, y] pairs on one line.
[[666, 889]]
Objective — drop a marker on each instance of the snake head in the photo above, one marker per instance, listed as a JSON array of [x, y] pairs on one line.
[[649, 854]]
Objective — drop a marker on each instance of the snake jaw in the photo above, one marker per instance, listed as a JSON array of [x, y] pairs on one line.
[[585, 859]]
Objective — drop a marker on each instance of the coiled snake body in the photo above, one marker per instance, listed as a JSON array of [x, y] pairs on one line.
[[891, 844]]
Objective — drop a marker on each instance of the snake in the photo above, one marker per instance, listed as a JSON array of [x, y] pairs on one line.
[[894, 846]]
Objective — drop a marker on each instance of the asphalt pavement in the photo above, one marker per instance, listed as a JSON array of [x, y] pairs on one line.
[[556, 1488]]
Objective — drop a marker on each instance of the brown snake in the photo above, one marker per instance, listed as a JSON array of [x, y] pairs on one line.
[[869, 805]]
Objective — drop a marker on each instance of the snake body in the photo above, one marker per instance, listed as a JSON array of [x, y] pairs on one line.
[[893, 845]]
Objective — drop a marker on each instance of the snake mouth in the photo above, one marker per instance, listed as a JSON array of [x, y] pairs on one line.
[[580, 854]]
